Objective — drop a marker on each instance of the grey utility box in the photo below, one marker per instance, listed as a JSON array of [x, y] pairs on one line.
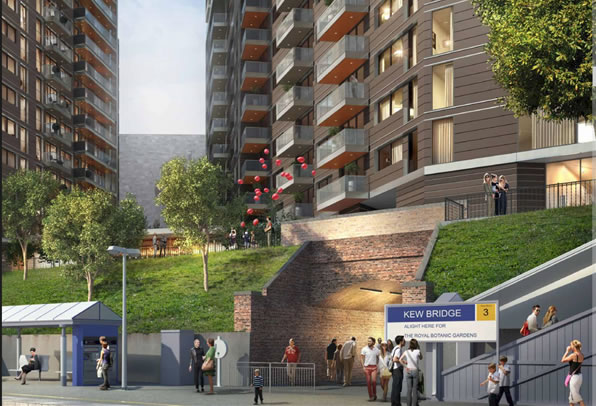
[[175, 357]]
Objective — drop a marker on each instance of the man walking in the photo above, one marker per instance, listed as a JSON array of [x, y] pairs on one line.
[[292, 354], [154, 245], [329, 357], [164, 244], [397, 371], [348, 354], [196, 361], [533, 319]]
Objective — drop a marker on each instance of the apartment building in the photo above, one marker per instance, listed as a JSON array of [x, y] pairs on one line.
[[391, 102], [60, 90]]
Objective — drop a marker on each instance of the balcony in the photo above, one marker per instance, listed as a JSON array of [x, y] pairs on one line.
[[89, 51], [259, 207], [55, 161], [254, 107], [219, 52], [254, 75], [298, 210], [56, 77], [219, 104], [342, 193], [294, 141], [255, 139], [93, 179], [219, 26], [57, 21], [342, 60], [53, 132], [294, 103], [106, 13], [254, 43], [343, 104], [346, 146], [91, 103], [53, 104], [57, 49], [294, 29], [65, 3], [219, 77], [91, 128], [287, 5], [220, 151], [86, 151], [90, 25], [94, 80], [254, 12], [302, 179], [339, 18], [219, 130], [251, 168], [295, 65]]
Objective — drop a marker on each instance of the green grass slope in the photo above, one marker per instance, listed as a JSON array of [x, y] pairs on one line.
[[162, 293], [473, 256]]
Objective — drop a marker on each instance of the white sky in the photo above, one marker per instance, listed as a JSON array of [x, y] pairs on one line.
[[162, 66]]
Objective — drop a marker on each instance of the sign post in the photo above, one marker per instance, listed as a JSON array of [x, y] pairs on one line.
[[221, 349]]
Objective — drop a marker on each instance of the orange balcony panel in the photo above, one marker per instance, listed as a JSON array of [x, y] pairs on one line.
[[342, 204], [253, 52], [254, 19], [341, 116], [342, 160], [344, 69], [253, 116], [342, 25], [253, 83]]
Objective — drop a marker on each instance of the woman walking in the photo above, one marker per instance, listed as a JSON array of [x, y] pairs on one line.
[[209, 364], [503, 189], [488, 195], [384, 368], [494, 186], [575, 358], [550, 317], [339, 364], [410, 359]]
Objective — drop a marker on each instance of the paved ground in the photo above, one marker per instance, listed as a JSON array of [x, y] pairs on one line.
[[51, 393]]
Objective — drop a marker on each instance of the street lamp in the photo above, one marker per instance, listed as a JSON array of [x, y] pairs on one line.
[[116, 251]]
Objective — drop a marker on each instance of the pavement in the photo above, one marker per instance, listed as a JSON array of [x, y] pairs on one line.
[[45, 393]]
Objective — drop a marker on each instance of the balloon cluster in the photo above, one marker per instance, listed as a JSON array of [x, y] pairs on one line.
[[275, 194]]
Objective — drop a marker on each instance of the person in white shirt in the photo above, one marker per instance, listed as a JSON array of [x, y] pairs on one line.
[[505, 382], [410, 359], [347, 355], [370, 359], [533, 319], [493, 385], [383, 368], [397, 371]]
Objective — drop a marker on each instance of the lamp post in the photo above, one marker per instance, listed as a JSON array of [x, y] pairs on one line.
[[116, 251]]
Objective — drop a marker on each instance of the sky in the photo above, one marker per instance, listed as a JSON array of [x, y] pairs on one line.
[[162, 66]]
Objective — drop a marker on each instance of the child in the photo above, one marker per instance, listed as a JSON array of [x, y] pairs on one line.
[[258, 382], [505, 381], [493, 385]]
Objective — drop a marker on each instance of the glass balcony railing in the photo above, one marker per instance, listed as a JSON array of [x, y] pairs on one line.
[[298, 96], [219, 45], [107, 109], [252, 35], [56, 46], [55, 160], [54, 103], [92, 125], [220, 149], [297, 172], [347, 93], [350, 46], [349, 184], [53, 73], [106, 34], [258, 100], [297, 17], [296, 134], [106, 10], [55, 131], [254, 67], [217, 124], [219, 98], [256, 135], [253, 165], [218, 71], [86, 41], [108, 183], [335, 10], [219, 18], [97, 154], [57, 19], [297, 57], [345, 138]]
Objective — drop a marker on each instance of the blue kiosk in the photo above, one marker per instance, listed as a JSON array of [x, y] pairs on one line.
[[89, 321]]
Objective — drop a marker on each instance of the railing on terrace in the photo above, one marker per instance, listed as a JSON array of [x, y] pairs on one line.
[[296, 132], [347, 136], [296, 54], [347, 90], [349, 44], [331, 12], [299, 376], [296, 93], [296, 15], [521, 200]]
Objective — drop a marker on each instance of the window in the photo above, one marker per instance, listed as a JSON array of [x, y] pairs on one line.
[[536, 132], [23, 75], [38, 59], [23, 139], [23, 108], [9, 31], [9, 63], [8, 158], [442, 141], [22, 163], [388, 8], [412, 7], [412, 48], [12, 4], [8, 126], [392, 104], [413, 99], [38, 6], [38, 147], [412, 151], [9, 95], [23, 18], [442, 86], [23, 48], [442, 31], [385, 108], [390, 154], [393, 55], [38, 89], [38, 31], [37, 118]]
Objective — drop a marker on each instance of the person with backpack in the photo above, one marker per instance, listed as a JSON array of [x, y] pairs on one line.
[[104, 362], [411, 359]]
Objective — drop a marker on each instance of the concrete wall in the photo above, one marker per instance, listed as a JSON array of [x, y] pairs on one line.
[[141, 158], [381, 222]]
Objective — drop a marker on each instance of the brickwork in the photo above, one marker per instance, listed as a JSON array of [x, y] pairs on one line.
[[375, 223]]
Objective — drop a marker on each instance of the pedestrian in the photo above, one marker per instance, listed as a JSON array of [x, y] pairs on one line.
[[384, 369], [390, 345], [196, 360], [533, 319], [31, 366], [494, 185], [573, 355], [550, 317], [348, 355], [504, 381], [410, 359], [154, 245], [493, 385], [292, 355], [164, 244], [246, 238], [330, 360], [104, 362], [397, 370], [258, 383], [253, 239], [268, 230], [339, 365], [233, 239], [369, 356], [378, 344], [488, 195], [208, 366], [503, 189]]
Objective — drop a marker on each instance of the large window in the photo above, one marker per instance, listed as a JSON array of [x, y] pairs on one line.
[[23, 76], [9, 31], [9, 63], [12, 4], [536, 133], [413, 99], [23, 108], [412, 48], [8, 126], [442, 31], [442, 86], [38, 31], [9, 158], [23, 18], [390, 154], [442, 141], [393, 55], [23, 48], [390, 105], [412, 6], [388, 8], [23, 139], [9, 95]]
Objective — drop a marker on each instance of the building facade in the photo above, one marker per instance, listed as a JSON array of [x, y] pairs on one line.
[[60, 90], [392, 103]]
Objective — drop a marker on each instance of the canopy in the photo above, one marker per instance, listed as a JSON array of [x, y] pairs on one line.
[[59, 314]]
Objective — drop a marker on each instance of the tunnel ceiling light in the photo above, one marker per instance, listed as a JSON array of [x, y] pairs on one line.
[[372, 290]]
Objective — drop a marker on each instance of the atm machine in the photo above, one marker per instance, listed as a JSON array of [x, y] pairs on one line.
[[91, 351]]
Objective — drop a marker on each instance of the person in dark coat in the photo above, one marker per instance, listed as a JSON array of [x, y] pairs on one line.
[[31, 366], [196, 361]]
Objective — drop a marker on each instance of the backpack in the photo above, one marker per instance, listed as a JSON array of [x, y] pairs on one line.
[[111, 359], [525, 330]]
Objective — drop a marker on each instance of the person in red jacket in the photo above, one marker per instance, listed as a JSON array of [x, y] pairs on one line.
[[292, 355]]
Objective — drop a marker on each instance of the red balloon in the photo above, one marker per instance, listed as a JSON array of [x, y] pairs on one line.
[[283, 174], [278, 162], [289, 177], [257, 198], [264, 166], [314, 173], [257, 178], [257, 190], [243, 224], [262, 160], [255, 222], [266, 190], [280, 190], [266, 151], [304, 165], [240, 181], [300, 159], [250, 211], [275, 196]]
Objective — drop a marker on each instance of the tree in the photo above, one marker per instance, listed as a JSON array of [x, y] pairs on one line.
[[26, 195], [195, 195], [81, 225], [541, 53]]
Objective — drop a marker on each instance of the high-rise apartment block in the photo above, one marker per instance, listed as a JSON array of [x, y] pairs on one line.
[[60, 90], [393, 103]]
